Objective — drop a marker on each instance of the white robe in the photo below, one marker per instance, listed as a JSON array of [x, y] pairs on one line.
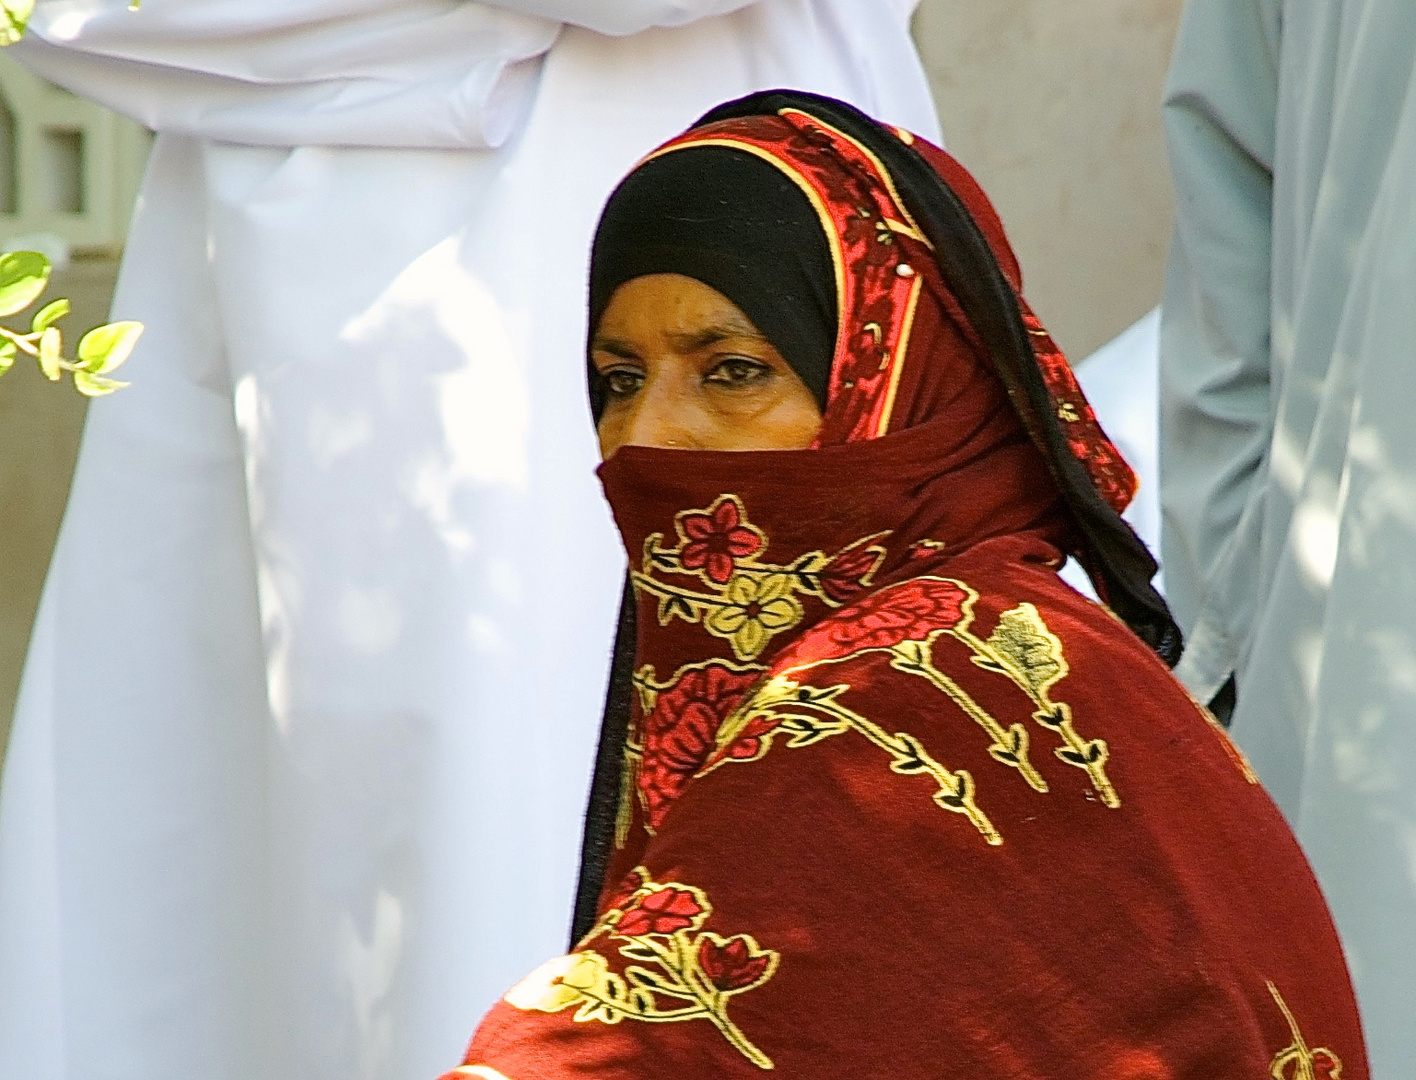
[[1288, 441], [298, 769]]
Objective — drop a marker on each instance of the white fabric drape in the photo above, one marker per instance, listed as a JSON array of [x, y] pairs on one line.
[[1288, 449], [297, 773]]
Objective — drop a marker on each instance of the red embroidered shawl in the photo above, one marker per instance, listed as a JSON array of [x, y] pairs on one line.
[[898, 802]]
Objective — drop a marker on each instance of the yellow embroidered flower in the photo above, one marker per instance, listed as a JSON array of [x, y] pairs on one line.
[[754, 610], [559, 983], [1023, 641]]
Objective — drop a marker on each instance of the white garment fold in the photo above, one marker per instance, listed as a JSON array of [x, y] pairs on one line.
[[305, 731], [426, 73]]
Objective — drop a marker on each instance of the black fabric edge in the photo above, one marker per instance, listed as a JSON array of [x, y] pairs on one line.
[[597, 844]]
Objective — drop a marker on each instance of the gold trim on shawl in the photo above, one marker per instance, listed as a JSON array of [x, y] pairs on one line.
[[898, 361], [879, 165]]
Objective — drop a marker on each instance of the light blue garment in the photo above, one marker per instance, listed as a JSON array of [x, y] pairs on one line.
[[1288, 454]]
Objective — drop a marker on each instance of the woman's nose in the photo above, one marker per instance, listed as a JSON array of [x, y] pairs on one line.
[[657, 418]]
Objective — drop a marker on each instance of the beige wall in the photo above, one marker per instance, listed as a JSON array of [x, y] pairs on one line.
[[1054, 106]]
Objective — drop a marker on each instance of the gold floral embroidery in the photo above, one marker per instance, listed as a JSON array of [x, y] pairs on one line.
[[1009, 745], [677, 971], [1296, 1061], [1023, 648], [905, 622], [737, 596], [782, 701], [754, 609]]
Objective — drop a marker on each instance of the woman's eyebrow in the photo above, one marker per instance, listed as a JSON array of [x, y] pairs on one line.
[[614, 347], [711, 335]]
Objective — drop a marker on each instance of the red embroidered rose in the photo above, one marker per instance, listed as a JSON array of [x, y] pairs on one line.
[[911, 611], [846, 574], [661, 912], [682, 730], [714, 540], [731, 965], [907, 612]]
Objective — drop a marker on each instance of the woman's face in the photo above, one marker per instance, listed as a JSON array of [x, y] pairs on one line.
[[684, 368]]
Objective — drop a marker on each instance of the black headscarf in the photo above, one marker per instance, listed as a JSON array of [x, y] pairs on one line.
[[738, 225]]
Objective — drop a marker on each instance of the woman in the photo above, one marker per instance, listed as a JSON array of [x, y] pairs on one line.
[[892, 800]]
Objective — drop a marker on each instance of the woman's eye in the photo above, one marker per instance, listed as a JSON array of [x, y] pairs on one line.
[[738, 371], [621, 382]]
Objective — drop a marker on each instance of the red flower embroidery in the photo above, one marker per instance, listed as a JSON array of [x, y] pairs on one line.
[[714, 540], [731, 965], [661, 912], [846, 574], [911, 611], [681, 731]]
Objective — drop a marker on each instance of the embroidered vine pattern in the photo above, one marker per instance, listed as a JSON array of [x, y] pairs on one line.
[[1297, 1061], [905, 622], [1009, 745], [737, 596], [1024, 649], [806, 715], [676, 971]]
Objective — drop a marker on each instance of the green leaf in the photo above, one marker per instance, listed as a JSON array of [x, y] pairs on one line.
[[105, 347], [7, 356], [23, 274], [14, 17], [50, 345], [48, 315], [95, 385]]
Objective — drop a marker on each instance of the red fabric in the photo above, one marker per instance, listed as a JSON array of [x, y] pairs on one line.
[[882, 380], [900, 803]]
